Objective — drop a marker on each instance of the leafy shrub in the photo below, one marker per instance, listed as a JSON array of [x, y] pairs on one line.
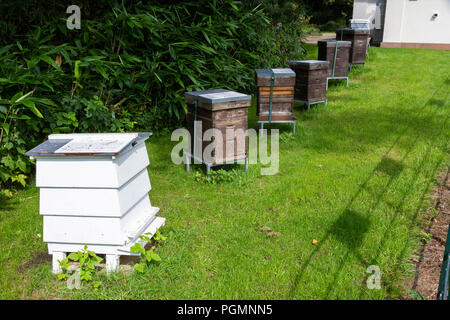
[[86, 271], [147, 256], [126, 69], [281, 43]]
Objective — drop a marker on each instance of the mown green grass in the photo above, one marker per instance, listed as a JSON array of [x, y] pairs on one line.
[[356, 177]]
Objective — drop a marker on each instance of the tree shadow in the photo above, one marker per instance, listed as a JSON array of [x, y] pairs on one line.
[[350, 228], [389, 166]]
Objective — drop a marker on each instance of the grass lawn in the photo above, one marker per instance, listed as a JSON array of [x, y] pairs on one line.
[[355, 177]]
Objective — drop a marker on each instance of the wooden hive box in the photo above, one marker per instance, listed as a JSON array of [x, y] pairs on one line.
[[310, 80], [224, 110], [327, 51], [94, 191], [359, 39], [282, 94]]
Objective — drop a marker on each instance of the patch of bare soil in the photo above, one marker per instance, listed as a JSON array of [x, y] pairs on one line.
[[428, 266], [36, 259]]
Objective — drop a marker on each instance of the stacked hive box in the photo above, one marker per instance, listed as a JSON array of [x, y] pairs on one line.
[[283, 83], [310, 80], [327, 52], [94, 191], [224, 110], [359, 40]]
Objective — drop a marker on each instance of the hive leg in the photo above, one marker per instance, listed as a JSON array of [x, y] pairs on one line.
[[347, 82], [246, 163], [293, 128], [112, 263], [56, 257]]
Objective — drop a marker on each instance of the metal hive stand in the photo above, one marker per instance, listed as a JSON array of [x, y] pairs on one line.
[[355, 64], [333, 78], [210, 165], [311, 103], [293, 122]]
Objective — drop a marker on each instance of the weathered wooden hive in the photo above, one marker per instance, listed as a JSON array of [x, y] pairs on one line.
[[224, 110], [359, 39], [281, 83], [310, 80], [94, 191], [327, 52]]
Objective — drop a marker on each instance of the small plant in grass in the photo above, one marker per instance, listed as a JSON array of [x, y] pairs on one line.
[[286, 137], [219, 176], [147, 256], [415, 295], [425, 237], [87, 260]]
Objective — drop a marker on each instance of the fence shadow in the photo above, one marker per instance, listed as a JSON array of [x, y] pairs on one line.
[[351, 226]]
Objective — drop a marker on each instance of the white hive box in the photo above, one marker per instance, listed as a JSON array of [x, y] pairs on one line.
[[94, 191]]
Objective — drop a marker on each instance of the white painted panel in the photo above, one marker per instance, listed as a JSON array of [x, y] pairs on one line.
[[94, 201], [106, 249], [70, 172], [98, 249], [137, 217], [365, 9], [131, 163], [89, 172], [151, 228], [70, 229], [413, 22]]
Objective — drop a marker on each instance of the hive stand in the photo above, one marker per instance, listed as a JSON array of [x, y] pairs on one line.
[[275, 98], [94, 191], [310, 82], [219, 109], [208, 165], [337, 53], [309, 104]]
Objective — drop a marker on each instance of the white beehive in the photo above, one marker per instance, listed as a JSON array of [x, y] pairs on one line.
[[94, 191]]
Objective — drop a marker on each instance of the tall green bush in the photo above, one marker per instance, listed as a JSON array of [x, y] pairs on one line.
[[126, 69]]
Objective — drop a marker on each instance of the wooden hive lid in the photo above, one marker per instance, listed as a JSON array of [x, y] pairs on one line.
[[208, 98], [309, 64], [280, 72], [87, 144]]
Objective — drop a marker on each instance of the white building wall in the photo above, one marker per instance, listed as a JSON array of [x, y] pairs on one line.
[[365, 9], [411, 21]]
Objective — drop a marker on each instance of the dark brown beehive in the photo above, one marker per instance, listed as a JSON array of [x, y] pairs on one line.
[[282, 94], [224, 110], [327, 51], [310, 80], [359, 39]]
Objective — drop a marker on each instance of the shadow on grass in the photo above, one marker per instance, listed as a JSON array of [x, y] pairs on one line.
[[364, 128], [389, 166], [8, 204], [351, 226]]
